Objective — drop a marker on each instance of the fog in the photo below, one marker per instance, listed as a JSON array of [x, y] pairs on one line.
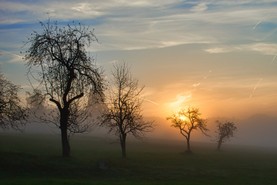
[[259, 130]]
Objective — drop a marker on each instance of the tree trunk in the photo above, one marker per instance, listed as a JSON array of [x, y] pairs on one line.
[[64, 134], [123, 145], [188, 145], [65, 143], [219, 144], [188, 142]]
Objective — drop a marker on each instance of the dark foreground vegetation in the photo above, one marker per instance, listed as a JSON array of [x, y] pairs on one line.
[[34, 159]]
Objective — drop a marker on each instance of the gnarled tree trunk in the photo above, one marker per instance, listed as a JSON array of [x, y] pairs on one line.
[[123, 145], [188, 144], [64, 135]]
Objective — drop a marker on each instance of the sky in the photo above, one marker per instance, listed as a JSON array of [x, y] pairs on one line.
[[219, 56]]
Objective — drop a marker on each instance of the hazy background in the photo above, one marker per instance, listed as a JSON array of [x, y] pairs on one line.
[[219, 56]]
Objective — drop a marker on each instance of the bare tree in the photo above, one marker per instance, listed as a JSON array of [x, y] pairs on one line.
[[187, 120], [123, 114], [12, 113], [225, 131], [67, 74]]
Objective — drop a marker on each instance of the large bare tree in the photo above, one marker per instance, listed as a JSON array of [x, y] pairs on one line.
[[123, 114], [225, 131], [66, 72], [187, 120], [12, 113]]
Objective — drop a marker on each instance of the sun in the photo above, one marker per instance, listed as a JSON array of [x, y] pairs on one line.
[[174, 102], [183, 118]]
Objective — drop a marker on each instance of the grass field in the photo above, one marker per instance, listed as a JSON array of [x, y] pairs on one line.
[[35, 159]]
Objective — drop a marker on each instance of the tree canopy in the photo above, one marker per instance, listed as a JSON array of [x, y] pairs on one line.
[[12, 113], [66, 71], [225, 131]]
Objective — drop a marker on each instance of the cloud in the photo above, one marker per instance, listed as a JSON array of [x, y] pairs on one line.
[[179, 101], [217, 50], [11, 57], [201, 7], [196, 84], [175, 26], [139, 3], [84, 10], [74, 9], [143, 24], [264, 48]]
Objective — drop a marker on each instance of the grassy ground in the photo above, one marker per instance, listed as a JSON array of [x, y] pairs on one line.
[[35, 159]]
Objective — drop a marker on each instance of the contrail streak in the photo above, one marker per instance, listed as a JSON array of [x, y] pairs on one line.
[[273, 59], [155, 103], [255, 87], [255, 26]]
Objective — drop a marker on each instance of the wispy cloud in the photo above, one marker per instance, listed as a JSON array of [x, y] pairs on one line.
[[180, 101], [216, 50], [11, 57], [201, 7], [196, 84], [142, 24], [263, 48]]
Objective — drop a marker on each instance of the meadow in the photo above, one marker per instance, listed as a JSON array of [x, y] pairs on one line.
[[35, 159]]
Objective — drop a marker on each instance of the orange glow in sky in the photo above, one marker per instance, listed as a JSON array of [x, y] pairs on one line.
[[218, 56]]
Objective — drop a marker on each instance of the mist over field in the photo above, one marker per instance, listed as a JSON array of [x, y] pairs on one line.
[[258, 131]]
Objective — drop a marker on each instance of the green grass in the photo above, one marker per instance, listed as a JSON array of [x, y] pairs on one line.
[[35, 159]]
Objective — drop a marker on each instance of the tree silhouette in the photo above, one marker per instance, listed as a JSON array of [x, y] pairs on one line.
[[225, 131], [123, 114], [67, 74], [12, 114], [187, 120]]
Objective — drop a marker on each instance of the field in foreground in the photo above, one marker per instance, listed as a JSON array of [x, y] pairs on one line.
[[34, 159]]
